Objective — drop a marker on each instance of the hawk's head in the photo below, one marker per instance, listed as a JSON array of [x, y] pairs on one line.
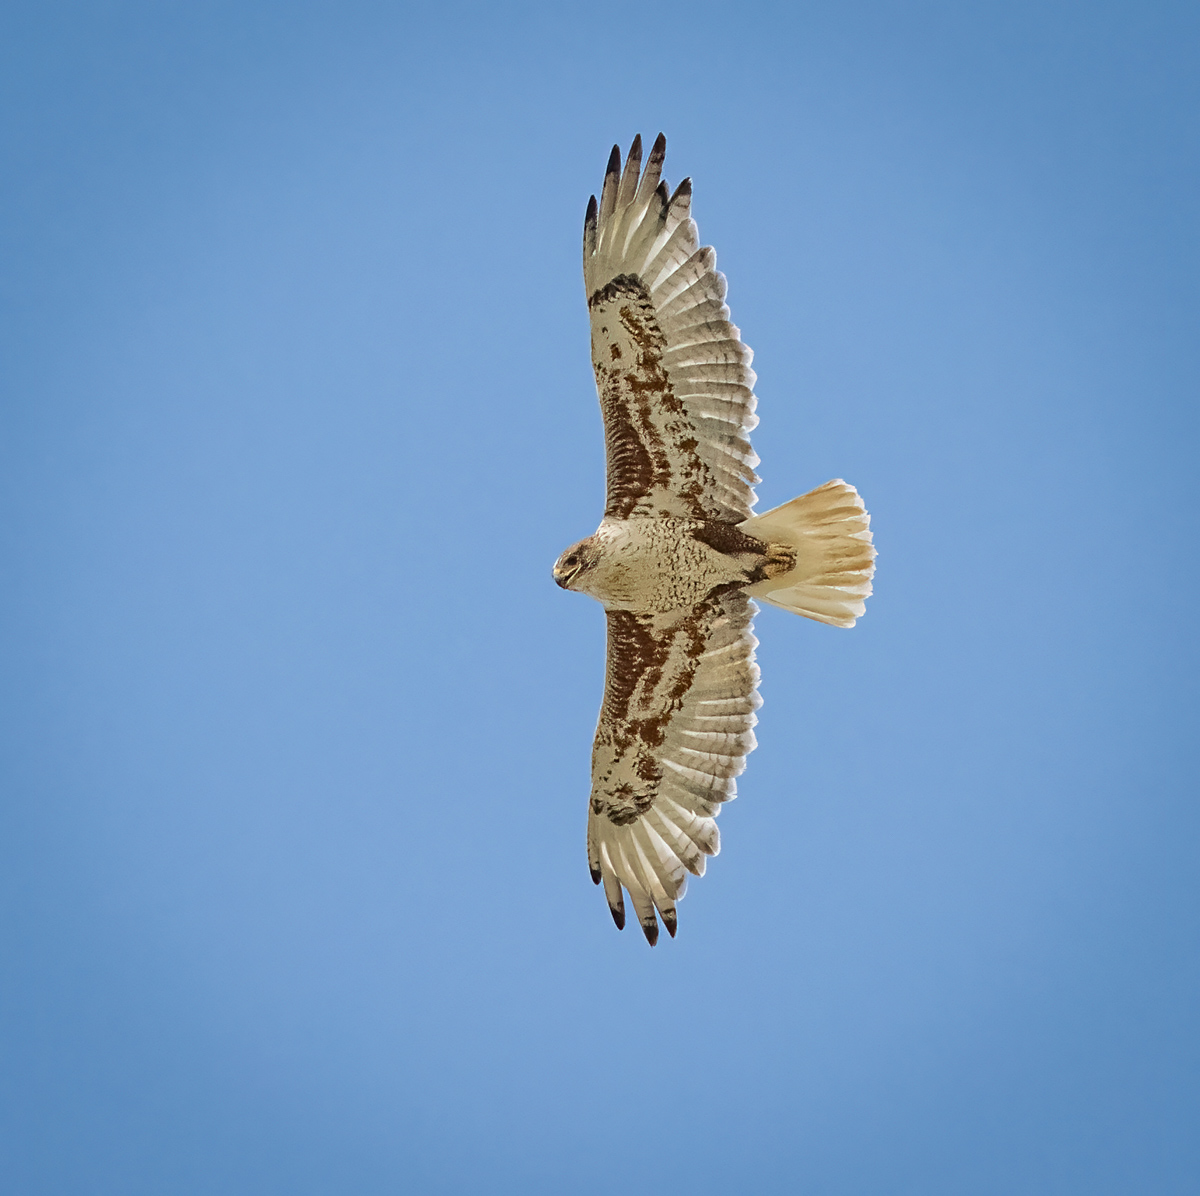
[[575, 561]]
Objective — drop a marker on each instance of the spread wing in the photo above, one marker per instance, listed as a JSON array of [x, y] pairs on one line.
[[675, 383], [675, 728]]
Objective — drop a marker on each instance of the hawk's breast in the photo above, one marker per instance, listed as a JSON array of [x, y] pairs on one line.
[[657, 565]]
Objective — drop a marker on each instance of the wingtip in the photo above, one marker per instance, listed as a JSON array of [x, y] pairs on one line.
[[614, 161], [635, 149], [596, 876], [618, 915], [670, 921], [658, 151], [683, 191], [590, 216], [650, 930]]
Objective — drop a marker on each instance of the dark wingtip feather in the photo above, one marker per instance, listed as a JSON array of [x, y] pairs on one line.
[[650, 930], [618, 913], [684, 190], [670, 922], [596, 877], [589, 218], [658, 151], [635, 150], [614, 162]]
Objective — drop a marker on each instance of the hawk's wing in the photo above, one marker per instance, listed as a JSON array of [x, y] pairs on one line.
[[675, 382], [675, 728]]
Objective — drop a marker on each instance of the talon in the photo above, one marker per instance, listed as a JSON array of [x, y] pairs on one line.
[[781, 559]]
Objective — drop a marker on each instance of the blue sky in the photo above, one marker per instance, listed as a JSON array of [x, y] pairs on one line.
[[297, 413]]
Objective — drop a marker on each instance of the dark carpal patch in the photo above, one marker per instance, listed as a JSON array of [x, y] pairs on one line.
[[627, 804], [624, 284]]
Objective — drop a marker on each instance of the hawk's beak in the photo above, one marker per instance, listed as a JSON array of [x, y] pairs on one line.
[[565, 574]]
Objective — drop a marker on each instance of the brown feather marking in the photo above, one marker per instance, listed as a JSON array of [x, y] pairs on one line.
[[638, 655], [728, 538], [772, 560], [651, 442]]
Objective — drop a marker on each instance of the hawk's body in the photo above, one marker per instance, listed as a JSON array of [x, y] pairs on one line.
[[678, 554], [655, 565]]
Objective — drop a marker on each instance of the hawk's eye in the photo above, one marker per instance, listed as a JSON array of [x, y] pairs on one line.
[[572, 560]]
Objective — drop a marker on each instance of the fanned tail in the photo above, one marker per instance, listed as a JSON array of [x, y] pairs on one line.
[[829, 531]]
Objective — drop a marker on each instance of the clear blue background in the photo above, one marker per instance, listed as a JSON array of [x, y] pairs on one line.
[[297, 413]]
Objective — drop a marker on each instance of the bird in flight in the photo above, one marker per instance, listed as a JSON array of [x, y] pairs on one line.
[[678, 556]]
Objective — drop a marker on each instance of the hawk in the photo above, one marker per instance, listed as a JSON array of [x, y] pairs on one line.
[[679, 556]]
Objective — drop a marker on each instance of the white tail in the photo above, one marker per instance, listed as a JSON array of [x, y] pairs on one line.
[[830, 532]]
